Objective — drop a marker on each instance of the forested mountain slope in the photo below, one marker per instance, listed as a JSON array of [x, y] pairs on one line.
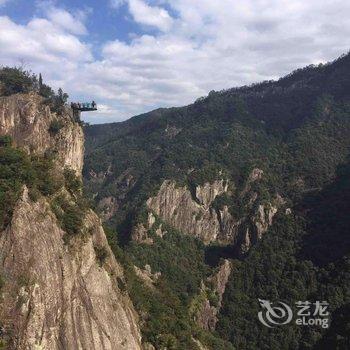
[[256, 175]]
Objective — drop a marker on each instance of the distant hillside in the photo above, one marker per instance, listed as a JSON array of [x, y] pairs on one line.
[[283, 103], [244, 174]]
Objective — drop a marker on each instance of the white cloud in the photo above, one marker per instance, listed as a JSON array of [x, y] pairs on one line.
[[150, 15], [40, 41], [202, 45], [70, 22], [212, 45], [144, 14], [66, 21]]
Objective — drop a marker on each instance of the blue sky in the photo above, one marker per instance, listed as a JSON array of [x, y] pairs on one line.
[[132, 56]]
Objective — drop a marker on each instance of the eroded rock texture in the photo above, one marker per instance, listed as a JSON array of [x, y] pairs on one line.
[[197, 216], [27, 120], [210, 300], [58, 295], [176, 207]]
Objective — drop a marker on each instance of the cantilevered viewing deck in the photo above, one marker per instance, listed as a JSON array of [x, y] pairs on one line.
[[84, 107]]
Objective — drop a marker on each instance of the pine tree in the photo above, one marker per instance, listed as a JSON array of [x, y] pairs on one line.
[[40, 84]]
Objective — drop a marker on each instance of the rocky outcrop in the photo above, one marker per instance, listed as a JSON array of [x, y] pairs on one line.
[[197, 216], [172, 131], [175, 205], [140, 232], [58, 294], [263, 219], [146, 275], [209, 191], [207, 306], [27, 120], [260, 222], [107, 207]]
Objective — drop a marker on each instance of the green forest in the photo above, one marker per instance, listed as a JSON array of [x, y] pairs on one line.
[[297, 130]]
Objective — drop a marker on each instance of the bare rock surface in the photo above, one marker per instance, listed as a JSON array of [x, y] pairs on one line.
[[205, 313], [58, 295], [175, 205], [27, 120]]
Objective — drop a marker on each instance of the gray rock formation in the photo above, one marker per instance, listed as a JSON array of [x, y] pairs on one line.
[[146, 275], [140, 232], [27, 120], [196, 216], [175, 206], [208, 192], [207, 305], [58, 295]]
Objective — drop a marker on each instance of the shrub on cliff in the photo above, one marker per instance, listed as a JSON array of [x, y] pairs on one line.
[[72, 182], [58, 101], [55, 126], [18, 169], [16, 80], [14, 171], [72, 219], [5, 141], [70, 215]]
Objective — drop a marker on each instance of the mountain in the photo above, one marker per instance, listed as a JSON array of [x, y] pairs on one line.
[[61, 286], [238, 196]]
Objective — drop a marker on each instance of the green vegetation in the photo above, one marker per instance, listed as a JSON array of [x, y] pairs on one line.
[[101, 254], [5, 141], [55, 126], [299, 259], [72, 182], [18, 169], [297, 130], [70, 209], [181, 260], [18, 80], [69, 214]]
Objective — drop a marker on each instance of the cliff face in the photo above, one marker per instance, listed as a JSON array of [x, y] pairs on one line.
[[58, 295], [176, 207], [208, 304], [197, 216], [27, 120]]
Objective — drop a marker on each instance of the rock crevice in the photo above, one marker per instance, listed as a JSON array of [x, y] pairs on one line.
[[57, 295]]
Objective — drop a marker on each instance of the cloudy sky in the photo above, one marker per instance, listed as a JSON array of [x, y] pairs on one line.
[[132, 56]]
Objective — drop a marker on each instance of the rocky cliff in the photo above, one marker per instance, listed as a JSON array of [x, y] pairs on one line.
[[197, 216], [58, 294], [207, 305], [175, 205], [28, 120]]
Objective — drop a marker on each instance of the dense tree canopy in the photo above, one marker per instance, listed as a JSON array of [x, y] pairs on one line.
[[297, 130]]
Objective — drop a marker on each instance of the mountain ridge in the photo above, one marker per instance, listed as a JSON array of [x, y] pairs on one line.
[[155, 181]]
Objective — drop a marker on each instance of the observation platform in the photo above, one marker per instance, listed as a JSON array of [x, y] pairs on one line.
[[84, 107]]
